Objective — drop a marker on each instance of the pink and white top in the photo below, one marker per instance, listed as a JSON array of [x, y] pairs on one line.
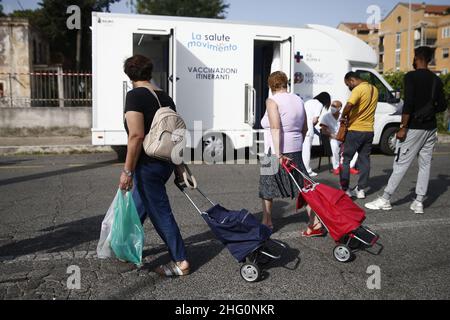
[[292, 115]]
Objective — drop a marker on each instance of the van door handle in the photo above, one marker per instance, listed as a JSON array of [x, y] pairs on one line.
[[253, 106]]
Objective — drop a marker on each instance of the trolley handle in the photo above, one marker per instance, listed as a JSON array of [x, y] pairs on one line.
[[290, 166], [187, 181]]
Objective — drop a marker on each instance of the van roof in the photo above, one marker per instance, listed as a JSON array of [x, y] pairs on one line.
[[354, 49], [192, 19]]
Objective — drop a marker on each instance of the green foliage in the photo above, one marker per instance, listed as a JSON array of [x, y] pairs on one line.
[[395, 79], [1, 9], [443, 118], [50, 19], [184, 8]]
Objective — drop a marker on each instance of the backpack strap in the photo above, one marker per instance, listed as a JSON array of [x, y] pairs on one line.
[[154, 94]]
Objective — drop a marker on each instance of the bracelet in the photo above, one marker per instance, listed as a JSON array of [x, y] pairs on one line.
[[128, 173]]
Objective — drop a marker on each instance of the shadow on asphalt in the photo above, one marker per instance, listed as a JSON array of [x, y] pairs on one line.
[[60, 238], [290, 259], [436, 188], [200, 255], [197, 255], [56, 172], [378, 183], [11, 162]]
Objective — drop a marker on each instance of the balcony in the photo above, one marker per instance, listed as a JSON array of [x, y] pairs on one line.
[[427, 42]]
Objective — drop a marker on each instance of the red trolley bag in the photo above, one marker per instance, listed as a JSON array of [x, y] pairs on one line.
[[336, 210]]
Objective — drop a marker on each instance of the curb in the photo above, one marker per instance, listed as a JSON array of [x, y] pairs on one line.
[[443, 138], [54, 149], [70, 149]]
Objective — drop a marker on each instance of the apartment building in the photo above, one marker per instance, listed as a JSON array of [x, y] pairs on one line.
[[395, 42]]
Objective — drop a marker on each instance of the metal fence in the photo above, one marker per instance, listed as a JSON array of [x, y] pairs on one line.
[[47, 88]]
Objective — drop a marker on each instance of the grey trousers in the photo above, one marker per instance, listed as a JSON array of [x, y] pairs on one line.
[[418, 143]]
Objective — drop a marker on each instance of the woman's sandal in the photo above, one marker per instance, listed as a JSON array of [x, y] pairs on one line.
[[314, 232], [171, 269]]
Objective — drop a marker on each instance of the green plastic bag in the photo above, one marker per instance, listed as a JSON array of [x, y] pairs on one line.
[[127, 235]]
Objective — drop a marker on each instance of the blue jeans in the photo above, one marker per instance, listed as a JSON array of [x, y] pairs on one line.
[[150, 197]]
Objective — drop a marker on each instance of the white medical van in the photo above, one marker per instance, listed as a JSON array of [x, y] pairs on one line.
[[216, 72]]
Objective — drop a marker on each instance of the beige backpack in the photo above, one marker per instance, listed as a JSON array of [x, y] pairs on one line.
[[166, 138]]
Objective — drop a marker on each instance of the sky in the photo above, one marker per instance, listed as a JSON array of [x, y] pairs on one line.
[[283, 12]]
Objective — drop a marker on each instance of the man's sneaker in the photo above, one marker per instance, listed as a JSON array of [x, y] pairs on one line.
[[349, 193], [354, 171], [336, 171], [417, 207], [312, 174], [360, 194], [379, 204]]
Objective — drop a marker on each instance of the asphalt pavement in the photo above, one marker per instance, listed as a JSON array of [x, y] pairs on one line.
[[52, 206]]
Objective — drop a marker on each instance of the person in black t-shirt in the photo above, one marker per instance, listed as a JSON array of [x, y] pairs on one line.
[[424, 97], [147, 176]]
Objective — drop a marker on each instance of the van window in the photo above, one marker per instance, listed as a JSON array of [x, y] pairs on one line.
[[384, 94]]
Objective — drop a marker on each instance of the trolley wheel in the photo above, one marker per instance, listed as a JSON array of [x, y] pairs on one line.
[[250, 272], [342, 253]]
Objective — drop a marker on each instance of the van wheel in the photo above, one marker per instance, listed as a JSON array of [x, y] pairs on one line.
[[388, 141], [121, 152], [214, 147]]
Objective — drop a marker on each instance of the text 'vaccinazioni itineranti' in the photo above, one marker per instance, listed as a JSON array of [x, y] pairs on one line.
[[208, 73]]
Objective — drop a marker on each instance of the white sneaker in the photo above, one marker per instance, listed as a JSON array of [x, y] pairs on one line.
[[349, 193], [360, 194], [312, 174], [417, 207], [379, 204]]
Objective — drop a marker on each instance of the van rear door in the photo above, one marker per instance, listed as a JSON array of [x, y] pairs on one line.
[[160, 46], [270, 54]]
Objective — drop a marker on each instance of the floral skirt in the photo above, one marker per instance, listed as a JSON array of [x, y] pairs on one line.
[[274, 182]]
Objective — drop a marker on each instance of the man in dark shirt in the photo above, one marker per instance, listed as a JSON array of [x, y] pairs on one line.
[[424, 97]]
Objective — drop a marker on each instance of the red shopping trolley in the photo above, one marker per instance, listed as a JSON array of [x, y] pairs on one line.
[[341, 217]]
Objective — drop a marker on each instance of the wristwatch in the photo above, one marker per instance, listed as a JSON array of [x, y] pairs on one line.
[[403, 126], [127, 172]]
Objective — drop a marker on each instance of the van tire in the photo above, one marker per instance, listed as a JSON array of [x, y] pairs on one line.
[[386, 145], [121, 152], [212, 143]]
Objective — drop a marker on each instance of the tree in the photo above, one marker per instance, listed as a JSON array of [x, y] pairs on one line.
[[1, 9], [50, 19], [395, 79], [184, 8], [35, 17]]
